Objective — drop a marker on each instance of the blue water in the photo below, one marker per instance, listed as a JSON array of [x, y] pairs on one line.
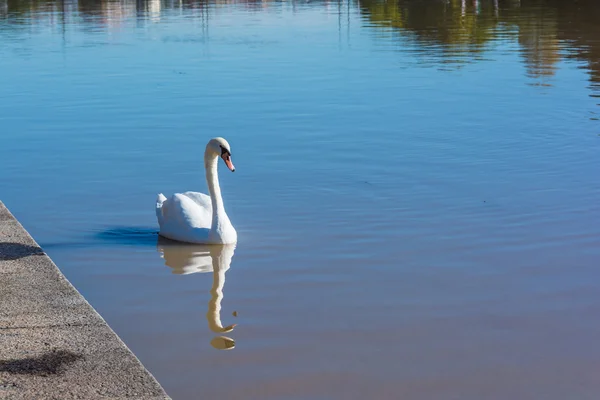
[[416, 192]]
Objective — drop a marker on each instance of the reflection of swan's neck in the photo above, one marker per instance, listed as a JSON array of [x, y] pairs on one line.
[[221, 262]]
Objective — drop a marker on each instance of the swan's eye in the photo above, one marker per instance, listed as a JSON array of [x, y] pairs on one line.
[[224, 152]]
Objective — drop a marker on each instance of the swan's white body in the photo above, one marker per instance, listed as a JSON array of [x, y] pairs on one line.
[[194, 217]]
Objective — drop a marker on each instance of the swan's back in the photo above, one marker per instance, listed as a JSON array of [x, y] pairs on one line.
[[184, 216], [201, 199]]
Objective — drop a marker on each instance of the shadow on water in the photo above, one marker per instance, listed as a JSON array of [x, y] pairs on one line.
[[15, 251], [51, 363], [120, 236], [129, 235]]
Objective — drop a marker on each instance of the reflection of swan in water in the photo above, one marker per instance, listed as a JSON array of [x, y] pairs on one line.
[[185, 258]]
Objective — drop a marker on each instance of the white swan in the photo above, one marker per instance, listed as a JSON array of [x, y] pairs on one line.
[[195, 217]]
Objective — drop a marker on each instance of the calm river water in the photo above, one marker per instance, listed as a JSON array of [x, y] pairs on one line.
[[416, 194]]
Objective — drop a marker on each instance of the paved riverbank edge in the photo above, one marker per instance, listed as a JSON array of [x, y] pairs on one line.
[[53, 344]]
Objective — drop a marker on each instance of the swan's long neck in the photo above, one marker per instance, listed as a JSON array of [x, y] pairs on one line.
[[212, 180]]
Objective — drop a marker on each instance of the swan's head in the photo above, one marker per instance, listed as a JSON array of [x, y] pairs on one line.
[[220, 147]]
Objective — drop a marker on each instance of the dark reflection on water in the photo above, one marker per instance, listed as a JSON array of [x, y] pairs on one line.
[[448, 33], [458, 31]]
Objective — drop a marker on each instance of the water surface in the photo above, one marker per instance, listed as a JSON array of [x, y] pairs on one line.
[[416, 192]]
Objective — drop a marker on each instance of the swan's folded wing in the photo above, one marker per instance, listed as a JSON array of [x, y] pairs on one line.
[[201, 199], [182, 213]]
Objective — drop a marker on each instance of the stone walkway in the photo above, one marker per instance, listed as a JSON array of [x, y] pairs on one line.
[[53, 344]]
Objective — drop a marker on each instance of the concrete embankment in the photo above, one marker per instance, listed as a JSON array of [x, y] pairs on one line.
[[53, 344]]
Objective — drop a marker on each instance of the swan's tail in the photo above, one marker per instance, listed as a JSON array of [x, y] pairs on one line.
[[160, 200]]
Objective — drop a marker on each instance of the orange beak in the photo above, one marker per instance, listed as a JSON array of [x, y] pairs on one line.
[[227, 159]]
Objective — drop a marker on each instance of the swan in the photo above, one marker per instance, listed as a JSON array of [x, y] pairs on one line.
[[194, 217]]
